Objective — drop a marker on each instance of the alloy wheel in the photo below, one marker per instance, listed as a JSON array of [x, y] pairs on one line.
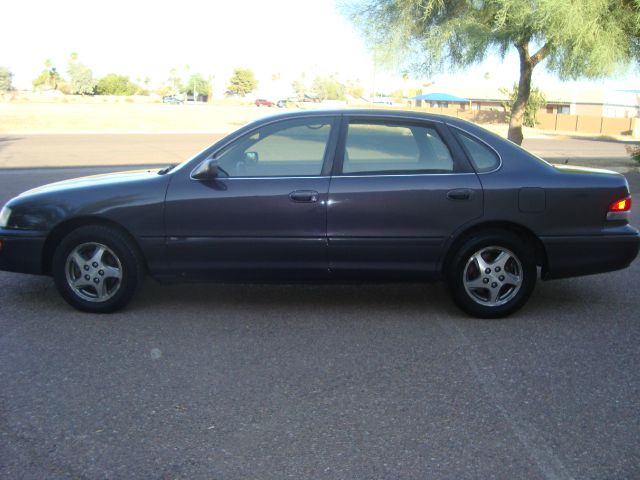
[[94, 272], [493, 276]]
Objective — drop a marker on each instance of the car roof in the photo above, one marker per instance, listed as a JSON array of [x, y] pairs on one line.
[[366, 112]]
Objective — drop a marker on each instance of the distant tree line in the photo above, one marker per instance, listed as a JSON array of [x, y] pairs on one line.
[[79, 80], [5, 79]]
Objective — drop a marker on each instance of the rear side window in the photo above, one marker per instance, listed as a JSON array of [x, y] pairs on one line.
[[382, 148], [483, 158]]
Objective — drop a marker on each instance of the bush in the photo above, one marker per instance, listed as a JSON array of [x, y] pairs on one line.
[[198, 84], [328, 88], [81, 80], [634, 151], [113, 84], [5, 79], [536, 101], [242, 81]]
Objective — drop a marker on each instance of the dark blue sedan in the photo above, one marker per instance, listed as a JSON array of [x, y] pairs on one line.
[[350, 195]]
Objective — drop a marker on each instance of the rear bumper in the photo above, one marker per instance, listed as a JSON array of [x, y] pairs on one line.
[[21, 251], [586, 255]]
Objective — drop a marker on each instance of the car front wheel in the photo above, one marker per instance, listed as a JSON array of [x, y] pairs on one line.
[[492, 274], [97, 269]]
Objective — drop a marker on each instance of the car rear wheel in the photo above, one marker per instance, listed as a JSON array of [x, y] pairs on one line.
[[492, 274], [97, 269]]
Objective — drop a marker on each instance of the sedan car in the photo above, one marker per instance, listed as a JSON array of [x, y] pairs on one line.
[[172, 100], [261, 102], [330, 195]]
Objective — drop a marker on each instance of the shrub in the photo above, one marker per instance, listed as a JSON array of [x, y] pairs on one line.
[[634, 151], [113, 84], [536, 101]]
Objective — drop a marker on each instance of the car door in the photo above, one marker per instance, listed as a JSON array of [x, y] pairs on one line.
[[400, 188], [265, 213]]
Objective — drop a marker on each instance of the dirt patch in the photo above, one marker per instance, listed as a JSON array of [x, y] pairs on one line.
[[34, 118]]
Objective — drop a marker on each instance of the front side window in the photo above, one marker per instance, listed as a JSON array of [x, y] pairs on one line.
[[287, 148], [382, 148]]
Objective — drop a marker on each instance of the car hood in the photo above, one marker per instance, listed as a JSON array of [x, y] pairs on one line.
[[110, 179]]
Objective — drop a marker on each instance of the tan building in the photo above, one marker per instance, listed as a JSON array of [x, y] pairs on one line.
[[594, 102], [488, 96]]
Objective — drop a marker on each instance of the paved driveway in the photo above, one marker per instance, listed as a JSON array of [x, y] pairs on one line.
[[318, 382]]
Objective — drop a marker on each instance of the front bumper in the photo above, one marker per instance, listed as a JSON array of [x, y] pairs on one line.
[[586, 255], [21, 251]]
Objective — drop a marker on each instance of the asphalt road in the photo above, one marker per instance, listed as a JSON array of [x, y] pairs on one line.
[[318, 382], [19, 151]]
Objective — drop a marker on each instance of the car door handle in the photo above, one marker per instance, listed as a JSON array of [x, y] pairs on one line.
[[459, 194], [308, 196]]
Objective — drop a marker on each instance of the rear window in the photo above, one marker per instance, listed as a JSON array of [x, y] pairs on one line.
[[483, 158]]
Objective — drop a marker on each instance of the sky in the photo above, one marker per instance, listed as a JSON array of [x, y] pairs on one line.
[[141, 38]]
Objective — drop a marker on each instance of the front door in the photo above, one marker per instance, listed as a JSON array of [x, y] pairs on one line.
[[399, 190], [264, 214]]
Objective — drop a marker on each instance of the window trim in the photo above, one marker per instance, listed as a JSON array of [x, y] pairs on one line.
[[461, 165], [459, 130]]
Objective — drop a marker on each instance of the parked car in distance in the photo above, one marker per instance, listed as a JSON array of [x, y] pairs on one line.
[[340, 195], [281, 104], [172, 100], [261, 102]]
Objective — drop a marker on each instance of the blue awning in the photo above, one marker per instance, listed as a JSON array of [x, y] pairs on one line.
[[440, 97]]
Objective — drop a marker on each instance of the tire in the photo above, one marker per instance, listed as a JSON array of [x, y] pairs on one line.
[[492, 274], [97, 269]]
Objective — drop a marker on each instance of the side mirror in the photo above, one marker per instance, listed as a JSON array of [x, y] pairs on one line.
[[206, 170]]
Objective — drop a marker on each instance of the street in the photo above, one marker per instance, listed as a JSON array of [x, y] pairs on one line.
[[316, 381], [19, 151]]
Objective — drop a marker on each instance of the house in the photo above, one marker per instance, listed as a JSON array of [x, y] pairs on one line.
[[440, 100], [587, 101]]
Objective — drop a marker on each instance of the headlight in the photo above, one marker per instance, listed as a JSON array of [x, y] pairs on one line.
[[5, 213]]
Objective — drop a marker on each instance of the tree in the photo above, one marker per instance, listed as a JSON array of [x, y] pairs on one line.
[[5, 79], [536, 101], [242, 81], [300, 88], [210, 79], [81, 80], [49, 77], [146, 81], [113, 84], [577, 38], [175, 82], [197, 83], [634, 151], [328, 88], [355, 89], [397, 95]]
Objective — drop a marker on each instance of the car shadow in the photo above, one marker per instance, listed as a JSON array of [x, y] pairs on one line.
[[308, 297], [266, 302]]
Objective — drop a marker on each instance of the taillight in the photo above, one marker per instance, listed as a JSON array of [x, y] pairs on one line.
[[622, 205]]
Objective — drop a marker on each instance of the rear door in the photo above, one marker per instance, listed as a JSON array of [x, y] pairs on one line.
[[400, 188]]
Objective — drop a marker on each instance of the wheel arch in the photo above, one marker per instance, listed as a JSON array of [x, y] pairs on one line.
[[64, 228], [521, 231]]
